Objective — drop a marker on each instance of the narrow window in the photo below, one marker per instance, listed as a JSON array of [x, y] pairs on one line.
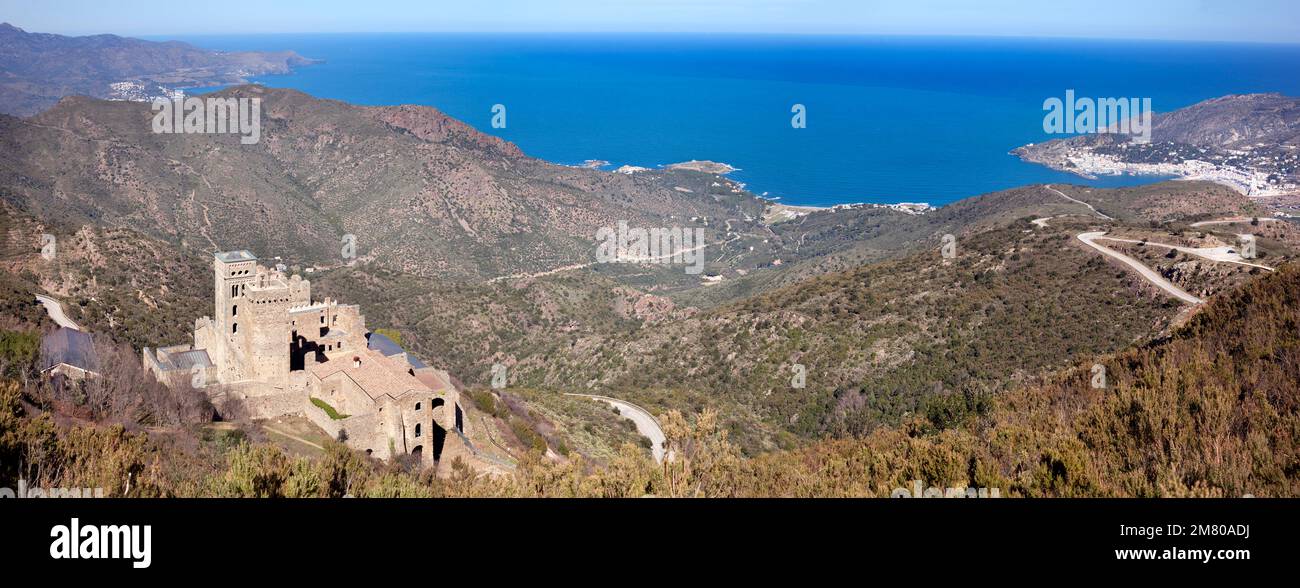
[[234, 310], [417, 429], [234, 327]]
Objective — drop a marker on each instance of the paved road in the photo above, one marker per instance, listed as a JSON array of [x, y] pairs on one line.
[[646, 424], [1146, 272], [55, 309], [1224, 254]]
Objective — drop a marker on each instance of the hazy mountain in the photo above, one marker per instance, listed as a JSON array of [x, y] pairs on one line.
[[37, 69]]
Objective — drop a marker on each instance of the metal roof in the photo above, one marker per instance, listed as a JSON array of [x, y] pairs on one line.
[[383, 344], [68, 346], [186, 360], [388, 347]]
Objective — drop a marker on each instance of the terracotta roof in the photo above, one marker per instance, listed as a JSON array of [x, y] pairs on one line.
[[377, 375]]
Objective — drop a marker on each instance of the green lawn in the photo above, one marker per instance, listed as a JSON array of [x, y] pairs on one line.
[[329, 410]]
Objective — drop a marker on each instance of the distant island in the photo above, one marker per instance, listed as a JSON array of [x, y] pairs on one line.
[[708, 167]]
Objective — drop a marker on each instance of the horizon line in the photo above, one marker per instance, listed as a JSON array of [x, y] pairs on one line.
[[969, 36]]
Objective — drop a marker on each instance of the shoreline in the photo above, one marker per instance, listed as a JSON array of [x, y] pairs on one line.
[[1085, 163], [785, 211], [1240, 181]]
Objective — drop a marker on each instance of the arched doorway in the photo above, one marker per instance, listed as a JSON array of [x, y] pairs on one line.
[[437, 406]]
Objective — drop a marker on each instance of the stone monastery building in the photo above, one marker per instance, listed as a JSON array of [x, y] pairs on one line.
[[273, 349]]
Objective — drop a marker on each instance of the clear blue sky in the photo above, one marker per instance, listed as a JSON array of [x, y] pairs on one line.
[[1210, 20]]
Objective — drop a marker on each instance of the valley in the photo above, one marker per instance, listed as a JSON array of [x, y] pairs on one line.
[[807, 329]]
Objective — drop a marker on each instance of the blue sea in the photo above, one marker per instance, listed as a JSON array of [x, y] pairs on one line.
[[889, 119]]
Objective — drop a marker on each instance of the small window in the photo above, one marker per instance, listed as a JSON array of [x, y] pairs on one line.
[[234, 327], [417, 406], [322, 319], [234, 310], [417, 429], [234, 291]]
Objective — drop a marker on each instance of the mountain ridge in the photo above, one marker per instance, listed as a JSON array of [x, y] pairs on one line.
[[37, 69]]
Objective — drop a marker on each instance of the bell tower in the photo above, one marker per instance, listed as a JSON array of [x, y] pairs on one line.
[[234, 273]]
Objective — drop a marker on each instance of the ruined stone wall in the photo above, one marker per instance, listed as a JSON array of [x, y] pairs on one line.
[[348, 317], [322, 323]]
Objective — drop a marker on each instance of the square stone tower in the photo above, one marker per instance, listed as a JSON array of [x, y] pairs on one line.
[[234, 272]]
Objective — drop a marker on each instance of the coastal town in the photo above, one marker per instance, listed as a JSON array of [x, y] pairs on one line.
[[1263, 170]]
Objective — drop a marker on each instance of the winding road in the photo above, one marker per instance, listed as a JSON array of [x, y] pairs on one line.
[[1224, 254], [1076, 200], [646, 423], [1146, 272], [1220, 254], [55, 310]]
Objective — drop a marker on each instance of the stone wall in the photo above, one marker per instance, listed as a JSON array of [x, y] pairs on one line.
[[320, 418], [272, 405]]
